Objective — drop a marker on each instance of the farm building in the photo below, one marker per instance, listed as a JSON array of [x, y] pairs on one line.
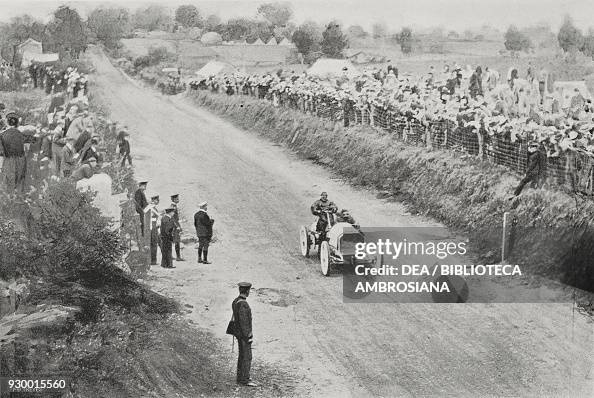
[[29, 58], [214, 68], [211, 39], [258, 42], [31, 46], [327, 68], [271, 42]]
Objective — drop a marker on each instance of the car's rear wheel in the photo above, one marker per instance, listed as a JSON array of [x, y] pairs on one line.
[[325, 258], [304, 241]]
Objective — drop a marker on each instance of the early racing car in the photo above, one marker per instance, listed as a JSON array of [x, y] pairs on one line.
[[335, 245]]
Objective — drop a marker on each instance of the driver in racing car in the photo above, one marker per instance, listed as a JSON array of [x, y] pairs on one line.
[[319, 208]]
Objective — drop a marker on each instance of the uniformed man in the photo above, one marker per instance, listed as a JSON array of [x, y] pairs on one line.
[[167, 227], [155, 224], [141, 203], [178, 229], [319, 209], [242, 314], [12, 149], [203, 224]]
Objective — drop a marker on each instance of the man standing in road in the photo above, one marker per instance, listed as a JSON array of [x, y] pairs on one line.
[[167, 227], [154, 227], [203, 224], [177, 231], [141, 203], [242, 314]]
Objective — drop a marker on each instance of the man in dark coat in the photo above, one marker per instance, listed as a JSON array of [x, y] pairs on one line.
[[178, 228], [319, 208], [242, 314], [476, 83], [167, 227], [537, 160], [12, 148], [33, 74], [141, 203], [124, 148], [203, 224]]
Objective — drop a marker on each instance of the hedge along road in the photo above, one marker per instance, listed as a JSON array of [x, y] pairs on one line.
[[259, 194]]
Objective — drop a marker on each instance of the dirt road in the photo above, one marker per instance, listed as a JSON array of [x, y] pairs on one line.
[[259, 194]]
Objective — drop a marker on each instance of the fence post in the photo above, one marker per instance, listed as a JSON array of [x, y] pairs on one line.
[[405, 131], [503, 236], [479, 135], [428, 142]]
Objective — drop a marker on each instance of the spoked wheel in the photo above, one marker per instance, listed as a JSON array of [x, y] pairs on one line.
[[304, 241], [325, 258]]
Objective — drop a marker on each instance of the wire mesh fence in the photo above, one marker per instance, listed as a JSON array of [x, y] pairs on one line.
[[571, 169]]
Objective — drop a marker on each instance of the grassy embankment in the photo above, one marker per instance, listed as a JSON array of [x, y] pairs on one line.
[[553, 233]]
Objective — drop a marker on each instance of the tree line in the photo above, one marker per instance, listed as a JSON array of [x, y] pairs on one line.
[[68, 34]]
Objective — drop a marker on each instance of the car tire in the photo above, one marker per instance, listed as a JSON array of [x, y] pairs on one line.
[[325, 258], [304, 241]]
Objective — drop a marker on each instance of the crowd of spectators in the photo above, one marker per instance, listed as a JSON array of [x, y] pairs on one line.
[[475, 109], [62, 141], [517, 107]]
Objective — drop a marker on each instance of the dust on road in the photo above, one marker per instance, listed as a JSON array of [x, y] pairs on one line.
[[259, 195]]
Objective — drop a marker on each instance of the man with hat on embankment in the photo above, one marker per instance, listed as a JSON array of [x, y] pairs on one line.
[[535, 169], [242, 315], [69, 157], [141, 202], [124, 147], [177, 231], [167, 227], [203, 224], [12, 149]]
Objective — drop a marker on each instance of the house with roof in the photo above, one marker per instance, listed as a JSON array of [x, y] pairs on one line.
[[31, 46]]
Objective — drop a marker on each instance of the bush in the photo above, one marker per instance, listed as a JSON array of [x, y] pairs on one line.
[[158, 54], [68, 238], [142, 62], [516, 40]]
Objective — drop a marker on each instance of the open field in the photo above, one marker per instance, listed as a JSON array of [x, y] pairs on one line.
[[192, 55]]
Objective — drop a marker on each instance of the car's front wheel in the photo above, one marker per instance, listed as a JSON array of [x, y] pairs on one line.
[[304, 241], [325, 258]]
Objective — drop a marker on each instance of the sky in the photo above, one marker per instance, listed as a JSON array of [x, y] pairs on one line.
[[449, 14]]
